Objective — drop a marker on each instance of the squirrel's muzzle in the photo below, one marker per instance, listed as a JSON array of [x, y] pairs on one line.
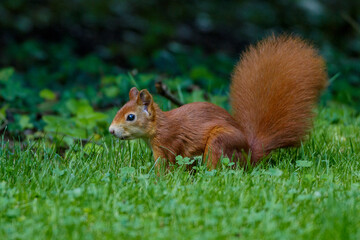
[[112, 129]]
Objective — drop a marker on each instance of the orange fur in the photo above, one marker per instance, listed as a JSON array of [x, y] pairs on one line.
[[274, 89]]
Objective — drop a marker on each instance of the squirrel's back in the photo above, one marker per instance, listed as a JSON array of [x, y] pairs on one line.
[[274, 88]]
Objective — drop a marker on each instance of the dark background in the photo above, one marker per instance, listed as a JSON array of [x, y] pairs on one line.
[[96, 50]]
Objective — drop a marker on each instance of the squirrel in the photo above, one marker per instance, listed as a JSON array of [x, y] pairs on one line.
[[273, 91]]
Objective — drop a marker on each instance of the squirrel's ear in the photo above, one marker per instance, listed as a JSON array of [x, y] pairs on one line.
[[145, 99], [133, 93]]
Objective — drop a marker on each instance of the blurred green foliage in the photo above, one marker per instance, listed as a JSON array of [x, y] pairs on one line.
[[66, 66]]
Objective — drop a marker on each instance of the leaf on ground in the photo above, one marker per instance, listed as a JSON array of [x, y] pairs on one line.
[[47, 94], [304, 163], [6, 74]]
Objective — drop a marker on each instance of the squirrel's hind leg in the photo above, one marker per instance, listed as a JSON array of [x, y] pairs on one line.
[[222, 142]]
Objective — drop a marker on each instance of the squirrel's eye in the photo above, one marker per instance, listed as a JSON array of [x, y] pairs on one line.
[[130, 117]]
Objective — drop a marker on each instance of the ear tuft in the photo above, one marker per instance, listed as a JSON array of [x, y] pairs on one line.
[[144, 98], [133, 93]]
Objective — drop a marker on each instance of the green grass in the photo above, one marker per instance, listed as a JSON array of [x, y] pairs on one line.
[[110, 191]]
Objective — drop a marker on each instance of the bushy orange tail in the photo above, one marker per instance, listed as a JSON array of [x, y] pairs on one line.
[[274, 88]]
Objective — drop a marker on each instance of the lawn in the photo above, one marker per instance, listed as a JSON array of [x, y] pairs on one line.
[[109, 190]]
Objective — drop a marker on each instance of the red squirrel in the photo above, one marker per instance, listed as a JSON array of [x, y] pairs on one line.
[[273, 91]]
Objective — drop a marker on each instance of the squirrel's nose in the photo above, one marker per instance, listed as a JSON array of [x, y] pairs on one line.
[[112, 130]]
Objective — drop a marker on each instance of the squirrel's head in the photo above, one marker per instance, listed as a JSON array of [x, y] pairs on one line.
[[136, 119]]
